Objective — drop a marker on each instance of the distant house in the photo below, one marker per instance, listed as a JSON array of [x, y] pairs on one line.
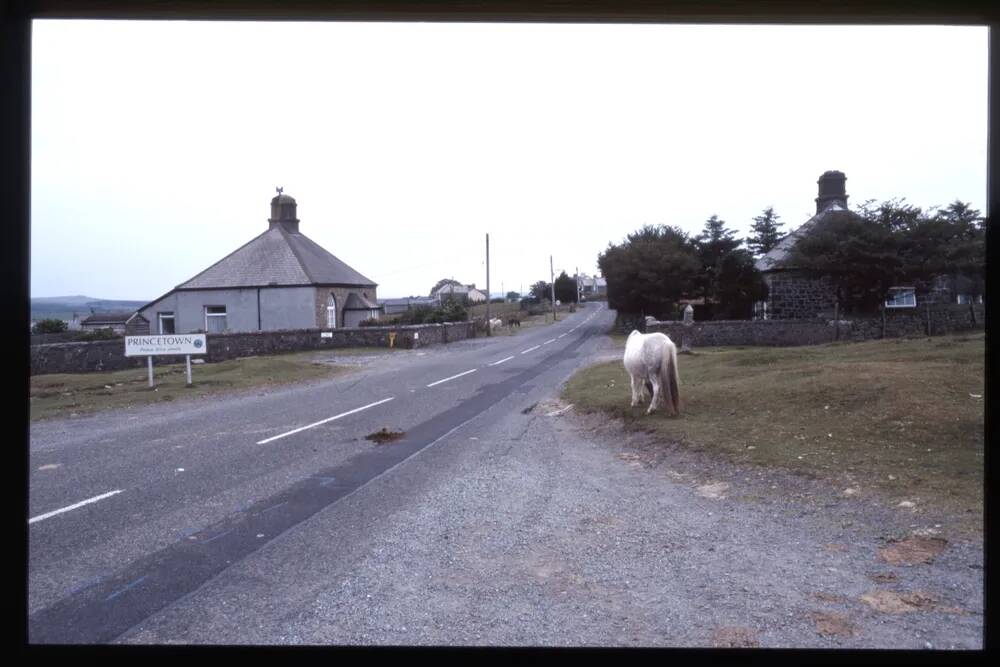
[[792, 295], [464, 293], [121, 322], [476, 296], [591, 285], [280, 279], [450, 290]]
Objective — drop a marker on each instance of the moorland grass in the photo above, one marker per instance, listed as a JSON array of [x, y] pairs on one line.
[[899, 417]]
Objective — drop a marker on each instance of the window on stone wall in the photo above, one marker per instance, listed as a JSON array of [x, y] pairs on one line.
[[215, 319], [760, 310], [966, 299], [331, 312], [901, 297]]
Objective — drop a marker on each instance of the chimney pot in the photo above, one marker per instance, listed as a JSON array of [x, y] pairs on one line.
[[832, 188], [283, 213]]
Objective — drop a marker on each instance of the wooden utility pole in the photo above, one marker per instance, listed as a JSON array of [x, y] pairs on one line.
[[552, 277], [489, 329]]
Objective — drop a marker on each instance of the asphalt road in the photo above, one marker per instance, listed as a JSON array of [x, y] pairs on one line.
[[501, 518], [132, 511]]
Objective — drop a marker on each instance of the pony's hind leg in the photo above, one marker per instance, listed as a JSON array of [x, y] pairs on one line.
[[635, 393], [656, 394]]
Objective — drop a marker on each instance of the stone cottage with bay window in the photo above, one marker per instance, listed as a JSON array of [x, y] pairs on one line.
[[793, 295], [279, 280]]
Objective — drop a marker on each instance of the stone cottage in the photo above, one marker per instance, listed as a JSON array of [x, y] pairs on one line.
[[281, 279], [790, 294]]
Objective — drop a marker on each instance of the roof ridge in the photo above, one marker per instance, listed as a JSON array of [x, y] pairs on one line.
[[295, 253], [212, 266]]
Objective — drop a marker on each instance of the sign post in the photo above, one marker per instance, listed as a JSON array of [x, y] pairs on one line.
[[169, 344]]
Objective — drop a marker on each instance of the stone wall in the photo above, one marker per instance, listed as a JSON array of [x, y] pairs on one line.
[[790, 295], [110, 355], [928, 320]]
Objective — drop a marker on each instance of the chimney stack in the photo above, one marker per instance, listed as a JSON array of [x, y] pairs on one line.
[[832, 189], [283, 213]]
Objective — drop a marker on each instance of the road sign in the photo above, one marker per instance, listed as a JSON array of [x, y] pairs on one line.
[[150, 346], [145, 346]]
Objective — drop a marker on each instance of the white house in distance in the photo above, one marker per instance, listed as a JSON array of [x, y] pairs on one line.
[[278, 280], [463, 292], [591, 285]]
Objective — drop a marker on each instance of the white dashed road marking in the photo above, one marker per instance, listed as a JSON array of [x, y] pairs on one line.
[[497, 363], [452, 377], [530, 349], [328, 419], [73, 507]]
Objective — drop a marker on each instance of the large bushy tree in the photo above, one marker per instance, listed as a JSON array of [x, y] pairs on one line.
[[738, 285], [565, 288], [650, 270], [714, 243], [542, 290], [729, 281]]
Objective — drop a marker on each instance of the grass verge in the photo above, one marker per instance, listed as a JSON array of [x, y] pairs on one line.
[[900, 417], [68, 394]]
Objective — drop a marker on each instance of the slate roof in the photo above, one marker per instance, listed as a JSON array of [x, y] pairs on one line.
[[777, 257], [357, 302], [277, 257], [111, 317]]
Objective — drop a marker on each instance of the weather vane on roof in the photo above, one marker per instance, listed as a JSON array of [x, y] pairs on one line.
[[280, 190]]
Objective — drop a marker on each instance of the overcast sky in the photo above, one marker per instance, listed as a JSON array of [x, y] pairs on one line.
[[157, 146]]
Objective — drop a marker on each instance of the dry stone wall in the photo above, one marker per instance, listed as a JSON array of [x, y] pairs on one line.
[[110, 355], [912, 322]]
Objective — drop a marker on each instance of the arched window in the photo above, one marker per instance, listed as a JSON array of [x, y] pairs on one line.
[[331, 312]]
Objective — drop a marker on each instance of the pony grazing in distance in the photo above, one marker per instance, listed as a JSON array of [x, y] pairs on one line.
[[651, 362]]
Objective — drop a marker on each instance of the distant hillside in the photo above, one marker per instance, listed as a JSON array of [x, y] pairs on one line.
[[63, 307]]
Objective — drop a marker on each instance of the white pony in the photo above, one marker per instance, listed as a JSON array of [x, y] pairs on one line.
[[651, 362]]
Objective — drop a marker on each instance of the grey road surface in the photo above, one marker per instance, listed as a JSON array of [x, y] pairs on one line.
[[500, 518], [131, 510]]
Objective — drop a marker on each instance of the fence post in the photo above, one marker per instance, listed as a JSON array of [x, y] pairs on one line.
[[836, 320], [927, 309], [688, 324]]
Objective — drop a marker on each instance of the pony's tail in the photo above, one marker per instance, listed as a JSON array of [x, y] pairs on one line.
[[669, 381]]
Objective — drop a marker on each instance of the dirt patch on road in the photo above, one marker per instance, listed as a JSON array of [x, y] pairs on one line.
[[832, 625], [385, 435], [891, 602], [913, 550], [734, 637]]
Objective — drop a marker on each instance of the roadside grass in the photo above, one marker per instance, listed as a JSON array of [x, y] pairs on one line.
[[67, 394], [900, 417]]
